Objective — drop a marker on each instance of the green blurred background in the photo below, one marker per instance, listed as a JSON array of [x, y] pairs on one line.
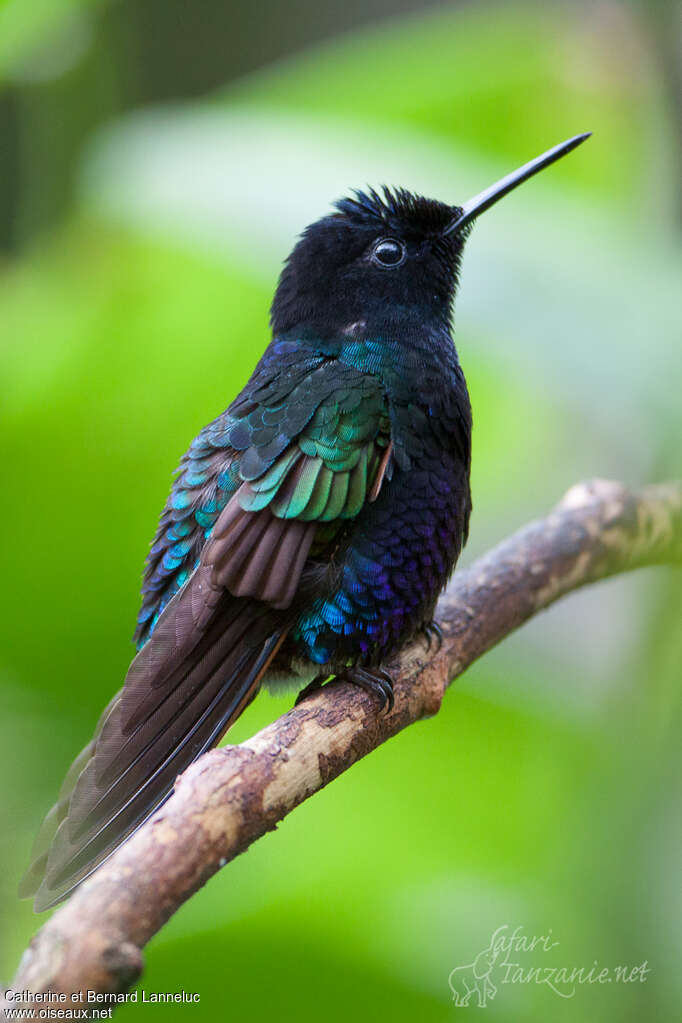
[[157, 159]]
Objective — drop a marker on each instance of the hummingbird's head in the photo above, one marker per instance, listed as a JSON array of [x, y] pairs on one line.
[[378, 259], [385, 262]]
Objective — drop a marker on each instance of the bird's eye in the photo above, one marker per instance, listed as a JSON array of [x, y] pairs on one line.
[[388, 253]]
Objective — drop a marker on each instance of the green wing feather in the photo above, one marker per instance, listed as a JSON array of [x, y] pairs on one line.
[[297, 491], [329, 467]]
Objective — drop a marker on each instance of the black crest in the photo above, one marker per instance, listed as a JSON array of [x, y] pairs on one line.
[[396, 210]]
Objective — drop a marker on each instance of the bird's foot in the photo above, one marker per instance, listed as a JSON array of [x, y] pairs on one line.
[[432, 632], [378, 683]]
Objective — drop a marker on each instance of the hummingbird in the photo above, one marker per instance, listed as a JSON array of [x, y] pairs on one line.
[[311, 526]]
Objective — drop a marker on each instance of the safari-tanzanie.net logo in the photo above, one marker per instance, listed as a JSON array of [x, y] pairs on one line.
[[507, 959]]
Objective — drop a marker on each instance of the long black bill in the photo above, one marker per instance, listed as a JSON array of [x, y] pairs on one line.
[[484, 200]]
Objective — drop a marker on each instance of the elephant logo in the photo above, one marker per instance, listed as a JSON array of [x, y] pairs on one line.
[[474, 978]]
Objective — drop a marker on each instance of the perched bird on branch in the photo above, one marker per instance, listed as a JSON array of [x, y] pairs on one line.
[[311, 526]]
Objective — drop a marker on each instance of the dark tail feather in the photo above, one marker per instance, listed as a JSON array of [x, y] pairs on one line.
[[186, 686]]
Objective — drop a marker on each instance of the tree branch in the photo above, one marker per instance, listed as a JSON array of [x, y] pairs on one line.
[[232, 796]]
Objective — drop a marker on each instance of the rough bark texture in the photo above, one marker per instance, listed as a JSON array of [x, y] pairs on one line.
[[232, 796]]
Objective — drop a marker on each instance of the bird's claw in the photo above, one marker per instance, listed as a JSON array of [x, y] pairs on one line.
[[432, 631], [377, 683]]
